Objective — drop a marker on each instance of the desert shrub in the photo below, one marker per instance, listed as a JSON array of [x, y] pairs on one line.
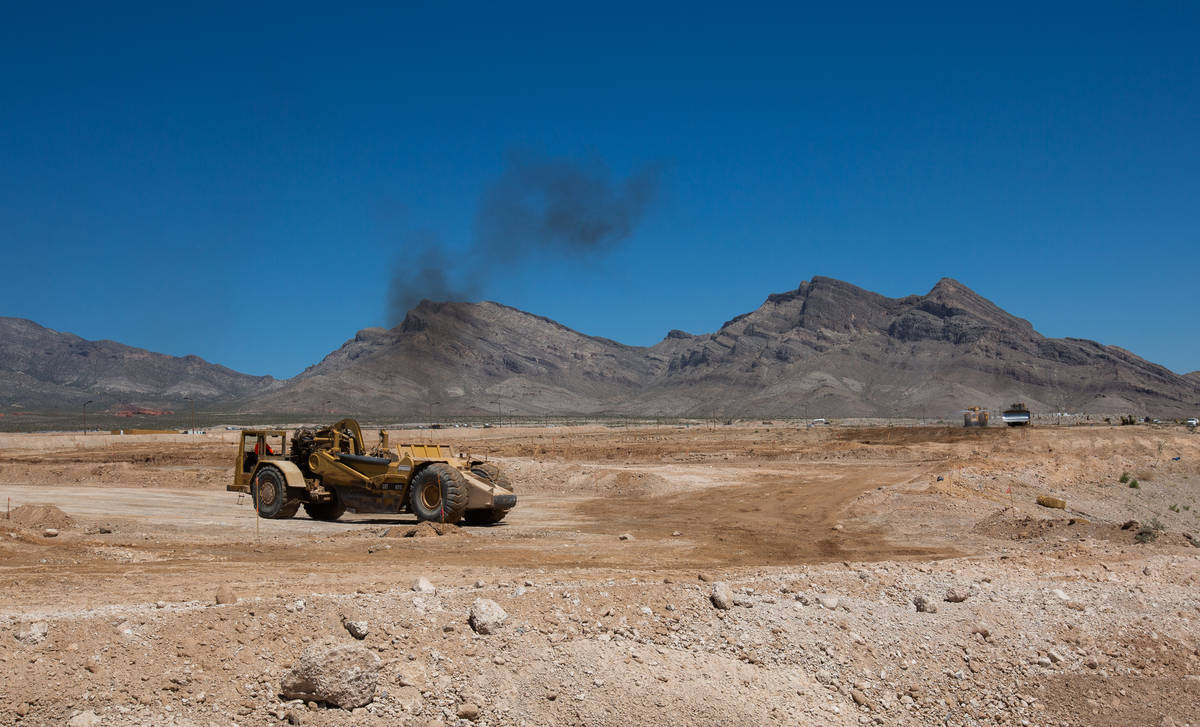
[[1149, 533], [1173, 508], [1124, 478], [1133, 485]]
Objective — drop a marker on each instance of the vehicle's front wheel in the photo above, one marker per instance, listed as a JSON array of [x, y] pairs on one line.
[[438, 493], [269, 490], [326, 511]]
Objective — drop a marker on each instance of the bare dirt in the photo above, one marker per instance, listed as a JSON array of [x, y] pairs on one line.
[[824, 536]]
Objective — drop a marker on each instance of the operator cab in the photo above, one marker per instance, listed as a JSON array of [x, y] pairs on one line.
[[257, 445]]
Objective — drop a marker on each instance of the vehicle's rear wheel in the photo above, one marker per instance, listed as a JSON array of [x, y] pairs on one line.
[[484, 517], [438, 493], [269, 490], [491, 473], [326, 511]]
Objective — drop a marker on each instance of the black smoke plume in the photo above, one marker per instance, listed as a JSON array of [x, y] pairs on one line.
[[538, 207], [541, 205], [428, 274]]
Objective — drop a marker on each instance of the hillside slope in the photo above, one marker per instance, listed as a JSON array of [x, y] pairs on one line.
[[43, 368], [827, 348]]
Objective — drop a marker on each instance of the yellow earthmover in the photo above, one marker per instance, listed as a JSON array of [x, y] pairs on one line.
[[329, 470]]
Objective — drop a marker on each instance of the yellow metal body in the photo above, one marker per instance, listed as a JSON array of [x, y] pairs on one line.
[[975, 417], [377, 481]]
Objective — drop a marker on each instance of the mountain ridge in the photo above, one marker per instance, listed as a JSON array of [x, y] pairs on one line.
[[42, 367], [827, 348]]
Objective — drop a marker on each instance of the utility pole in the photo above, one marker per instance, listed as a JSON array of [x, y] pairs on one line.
[[193, 403], [85, 405]]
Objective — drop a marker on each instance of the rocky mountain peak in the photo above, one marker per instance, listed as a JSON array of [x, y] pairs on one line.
[[826, 346]]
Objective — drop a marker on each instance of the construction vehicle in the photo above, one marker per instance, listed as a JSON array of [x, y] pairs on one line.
[[974, 416], [1016, 415], [329, 470]]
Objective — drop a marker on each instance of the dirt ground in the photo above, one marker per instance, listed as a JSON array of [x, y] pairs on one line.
[[114, 548]]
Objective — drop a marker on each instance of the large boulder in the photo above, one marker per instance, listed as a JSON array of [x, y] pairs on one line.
[[341, 675], [721, 596], [486, 616]]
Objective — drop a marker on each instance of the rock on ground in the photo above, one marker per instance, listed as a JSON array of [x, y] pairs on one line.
[[422, 585], [34, 634], [85, 719], [924, 605], [344, 676], [357, 628], [407, 698], [721, 596], [955, 595], [486, 616], [225, 595], [468, 711]]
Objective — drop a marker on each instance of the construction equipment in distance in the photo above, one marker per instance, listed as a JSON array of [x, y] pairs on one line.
[[329, 470], [974, 416], [1016, 415]]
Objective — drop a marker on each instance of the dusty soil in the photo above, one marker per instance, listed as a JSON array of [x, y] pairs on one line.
[[824, 536]]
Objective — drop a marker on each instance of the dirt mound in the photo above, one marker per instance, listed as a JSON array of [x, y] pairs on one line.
[[619, 483], [1003, 524], [40, 516], [425, 530], [918, 435]]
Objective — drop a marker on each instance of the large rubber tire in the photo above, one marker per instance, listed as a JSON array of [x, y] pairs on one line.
[[484, 517], [491, 473], [326, 511], [269, 493], [438, 493], [289, 510]]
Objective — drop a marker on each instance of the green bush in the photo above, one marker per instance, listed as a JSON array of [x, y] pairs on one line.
[[1124, 478], [1149, 533], [1133, 484], [1173, 508]]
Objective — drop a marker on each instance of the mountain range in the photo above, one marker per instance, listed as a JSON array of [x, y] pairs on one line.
[[42, 368], [828, 349]]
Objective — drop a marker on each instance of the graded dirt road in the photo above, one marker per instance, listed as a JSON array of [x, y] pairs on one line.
[[824, 536]]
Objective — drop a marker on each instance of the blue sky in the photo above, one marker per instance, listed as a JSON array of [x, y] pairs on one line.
[[241, 183]]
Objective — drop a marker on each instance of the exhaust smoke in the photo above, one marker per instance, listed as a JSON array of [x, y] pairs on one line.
[[537, 207]]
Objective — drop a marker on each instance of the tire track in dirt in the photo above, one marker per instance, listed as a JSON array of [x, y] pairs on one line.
[[766, 518]]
